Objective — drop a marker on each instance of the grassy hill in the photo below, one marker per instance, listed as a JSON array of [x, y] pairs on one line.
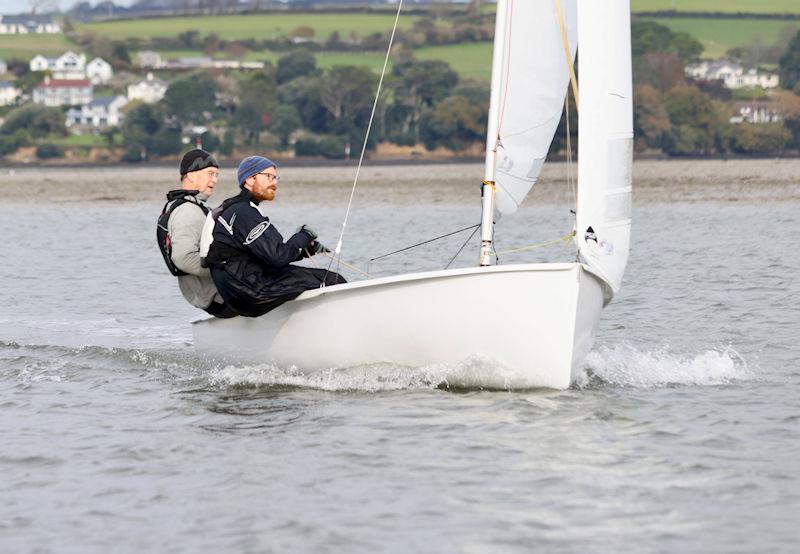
[[718, 6], [263, 26], [27, 46], [469, 59], [719, 35]]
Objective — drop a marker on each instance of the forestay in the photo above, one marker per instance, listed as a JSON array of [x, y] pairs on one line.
[[534, 81], [605, 142]]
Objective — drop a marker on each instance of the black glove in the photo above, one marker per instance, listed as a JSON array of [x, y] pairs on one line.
[[317, 247], [307, 230]]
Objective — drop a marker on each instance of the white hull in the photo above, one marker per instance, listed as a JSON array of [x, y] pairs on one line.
[[533, 323]]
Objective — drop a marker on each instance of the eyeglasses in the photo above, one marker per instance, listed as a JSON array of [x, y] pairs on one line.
[[270, 176]]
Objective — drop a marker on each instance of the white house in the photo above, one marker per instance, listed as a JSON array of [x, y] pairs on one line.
[[8, 93], [63, 92], [149, 90], [732, 74], [149, 58], [99, 71], [39, 63], [756, 111], [100, 113], [28, 24], [68, 65]]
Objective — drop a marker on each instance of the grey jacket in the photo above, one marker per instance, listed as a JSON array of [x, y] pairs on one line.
[[185, 226]]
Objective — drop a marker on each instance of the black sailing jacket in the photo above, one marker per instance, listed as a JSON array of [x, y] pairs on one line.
[[250, 262]]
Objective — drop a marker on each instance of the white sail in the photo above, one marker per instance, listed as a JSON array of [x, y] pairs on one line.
[[605, 143], [530, 93]]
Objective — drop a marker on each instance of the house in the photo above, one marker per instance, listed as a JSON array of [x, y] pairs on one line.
[[8, 93], [63, 92], [148, 58], [68, 65], [732, 74], [102, 112], [149, 90], [756, 111], [99, 71], [3, 66], [28, 24]]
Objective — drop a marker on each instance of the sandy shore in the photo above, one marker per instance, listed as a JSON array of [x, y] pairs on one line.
[[654, 181]]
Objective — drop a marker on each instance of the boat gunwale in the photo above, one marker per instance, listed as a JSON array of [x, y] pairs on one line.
[[437, 274]]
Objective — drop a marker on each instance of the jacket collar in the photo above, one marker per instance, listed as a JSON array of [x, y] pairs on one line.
[[181, 193]]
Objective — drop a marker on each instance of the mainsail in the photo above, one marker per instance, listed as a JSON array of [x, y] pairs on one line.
[[605, 142], [530, 93]]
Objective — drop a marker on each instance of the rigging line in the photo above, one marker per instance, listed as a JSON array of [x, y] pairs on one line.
[[348, 266], [425, 242], [566, 237], [338, 249], [565, 42], [570, 167], [469, 238]]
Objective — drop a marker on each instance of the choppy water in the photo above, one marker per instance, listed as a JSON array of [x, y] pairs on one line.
[[683, 434]]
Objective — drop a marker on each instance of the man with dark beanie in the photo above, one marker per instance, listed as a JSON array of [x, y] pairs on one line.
[[179, 229], [249, 260]]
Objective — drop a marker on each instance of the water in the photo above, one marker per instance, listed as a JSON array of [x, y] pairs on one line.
[[681, 435]]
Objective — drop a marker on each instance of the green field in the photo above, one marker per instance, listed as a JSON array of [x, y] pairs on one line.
[[250, 26], [472, 59], [719, 35], [719, 6], [27, 46]]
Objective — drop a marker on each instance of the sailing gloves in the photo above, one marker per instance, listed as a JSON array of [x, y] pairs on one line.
[[307, 230], [315, 247]]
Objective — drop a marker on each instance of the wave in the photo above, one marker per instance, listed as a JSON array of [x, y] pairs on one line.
[[620, 366], [625, 366], [32, 363], [616, 366]]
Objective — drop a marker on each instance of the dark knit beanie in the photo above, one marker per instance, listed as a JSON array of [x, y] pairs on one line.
[[195, 160], [252, 165]]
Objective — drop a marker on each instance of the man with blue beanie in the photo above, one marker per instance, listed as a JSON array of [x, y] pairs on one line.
[[250, 263]]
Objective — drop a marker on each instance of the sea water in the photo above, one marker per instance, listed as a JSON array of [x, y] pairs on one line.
[[681, 434]]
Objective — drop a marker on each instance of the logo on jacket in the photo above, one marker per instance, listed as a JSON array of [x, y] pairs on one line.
[[257, 231], [228, 226]]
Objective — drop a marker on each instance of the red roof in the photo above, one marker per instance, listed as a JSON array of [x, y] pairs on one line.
[[64, 83]]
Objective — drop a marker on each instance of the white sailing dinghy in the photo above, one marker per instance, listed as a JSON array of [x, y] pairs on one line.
[[533, 323]]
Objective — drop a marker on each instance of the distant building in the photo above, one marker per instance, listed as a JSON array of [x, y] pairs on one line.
[[8, 93], [28, 24], [148, 58], [100, 113], [149, 91], [732, 74], [3, 66], [68, 65], [755, 111], [99, 71], [63, 92]]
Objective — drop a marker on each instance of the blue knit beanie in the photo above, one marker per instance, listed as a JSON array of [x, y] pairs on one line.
[[252, 165]]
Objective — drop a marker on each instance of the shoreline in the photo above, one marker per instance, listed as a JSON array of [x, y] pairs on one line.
[[228, 163], [654, 181]]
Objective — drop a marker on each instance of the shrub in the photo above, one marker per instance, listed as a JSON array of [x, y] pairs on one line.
[[759, 138], [328, 146], [49, 150]]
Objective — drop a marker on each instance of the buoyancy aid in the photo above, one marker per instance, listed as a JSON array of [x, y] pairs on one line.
[[215, 254], [175, 198]]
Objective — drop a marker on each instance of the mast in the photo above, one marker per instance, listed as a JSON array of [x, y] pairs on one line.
[[488, 190]]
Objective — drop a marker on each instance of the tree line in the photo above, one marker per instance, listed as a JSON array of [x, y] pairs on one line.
[[294, 105]]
